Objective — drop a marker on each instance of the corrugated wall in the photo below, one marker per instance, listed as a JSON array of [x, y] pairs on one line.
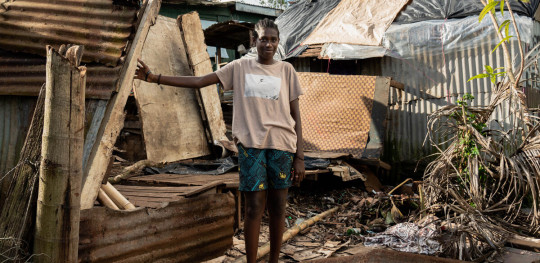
[[23, 75], [432, 81], [189, 230], [101, 26], [15, 116]]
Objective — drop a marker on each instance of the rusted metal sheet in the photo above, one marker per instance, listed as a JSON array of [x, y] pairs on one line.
[[23, 75], [15, 116], [102, 26], [189, 230]]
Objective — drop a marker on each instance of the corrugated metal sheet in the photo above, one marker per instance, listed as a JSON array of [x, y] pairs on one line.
[[15, 116], [101, 26], [189, 230], [22, 74], [433, 81]]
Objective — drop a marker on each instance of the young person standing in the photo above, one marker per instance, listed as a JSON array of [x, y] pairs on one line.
[[266, 128]]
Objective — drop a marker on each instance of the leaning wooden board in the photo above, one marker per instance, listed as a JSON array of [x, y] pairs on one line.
[[191, 28], [170, 117], [113, 118]]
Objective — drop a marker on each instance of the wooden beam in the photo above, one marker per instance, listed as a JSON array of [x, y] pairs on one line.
[[113, 118], [397, 85], [58, 206], [191, 28]]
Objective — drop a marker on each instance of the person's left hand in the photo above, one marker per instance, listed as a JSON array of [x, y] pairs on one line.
[[299, 171]]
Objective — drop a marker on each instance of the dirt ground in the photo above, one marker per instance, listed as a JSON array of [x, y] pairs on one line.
[[340, 234]]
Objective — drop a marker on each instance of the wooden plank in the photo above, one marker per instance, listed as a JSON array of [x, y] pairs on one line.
[[172, 126], [191, 28], [179, 179], [113, 118], [90, 139], [204, 188], [155, 189]]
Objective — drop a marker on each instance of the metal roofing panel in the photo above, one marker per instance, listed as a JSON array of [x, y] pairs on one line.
[[189, 230], [433, 81], [23, 75], [15, 116], [103, 27]]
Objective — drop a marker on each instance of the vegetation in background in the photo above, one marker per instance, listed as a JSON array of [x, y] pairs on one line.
[[484, 183]]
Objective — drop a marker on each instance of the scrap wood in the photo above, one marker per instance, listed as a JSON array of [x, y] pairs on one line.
[[128, 172], [293, 232], [346, 172], [524, 241], [113, 118], [205, 187]]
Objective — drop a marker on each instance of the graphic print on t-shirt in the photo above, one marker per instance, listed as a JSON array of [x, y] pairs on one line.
[[261, 86]]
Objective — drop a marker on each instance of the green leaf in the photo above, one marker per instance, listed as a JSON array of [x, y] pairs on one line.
[[505, 25], [493, 78], [504, 39], [500, 73], [479, 76], [502, 7], [489, 69], [488, 8]]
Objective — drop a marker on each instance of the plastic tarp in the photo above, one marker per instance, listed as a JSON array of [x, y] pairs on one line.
[[298, 21], [215, 167], [422, 10], [434, 36], [356, 22]]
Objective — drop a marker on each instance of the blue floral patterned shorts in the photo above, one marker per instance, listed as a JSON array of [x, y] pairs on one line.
[[262, 169]]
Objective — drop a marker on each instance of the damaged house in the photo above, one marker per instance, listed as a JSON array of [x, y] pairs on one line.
[[432, 47], [370, 82]]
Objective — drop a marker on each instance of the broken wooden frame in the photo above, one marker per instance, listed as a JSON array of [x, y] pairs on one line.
[[113, 117]]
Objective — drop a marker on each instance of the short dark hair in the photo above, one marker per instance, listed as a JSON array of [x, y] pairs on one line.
[[264, 24]]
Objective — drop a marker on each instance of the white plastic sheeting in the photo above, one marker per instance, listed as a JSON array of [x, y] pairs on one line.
[[434, 36]]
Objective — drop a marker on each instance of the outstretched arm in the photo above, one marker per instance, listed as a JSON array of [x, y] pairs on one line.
[[144, 73], [298, 163]]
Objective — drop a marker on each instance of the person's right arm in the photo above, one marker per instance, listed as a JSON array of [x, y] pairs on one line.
[[143, 73]]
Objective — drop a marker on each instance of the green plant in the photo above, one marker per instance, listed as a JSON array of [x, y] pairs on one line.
[[484, 175]]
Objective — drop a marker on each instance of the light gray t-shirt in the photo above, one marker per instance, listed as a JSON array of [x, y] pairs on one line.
[[261, 96]]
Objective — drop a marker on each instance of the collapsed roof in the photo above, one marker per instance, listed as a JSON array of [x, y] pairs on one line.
[[440, 17]]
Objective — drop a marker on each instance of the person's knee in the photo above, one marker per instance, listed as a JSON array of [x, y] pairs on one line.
[[277, 204], [254, 208]]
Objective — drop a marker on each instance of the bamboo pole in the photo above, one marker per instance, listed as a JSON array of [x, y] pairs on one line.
[[291, 233], [105, 200], [117, 197], [58, 207]]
